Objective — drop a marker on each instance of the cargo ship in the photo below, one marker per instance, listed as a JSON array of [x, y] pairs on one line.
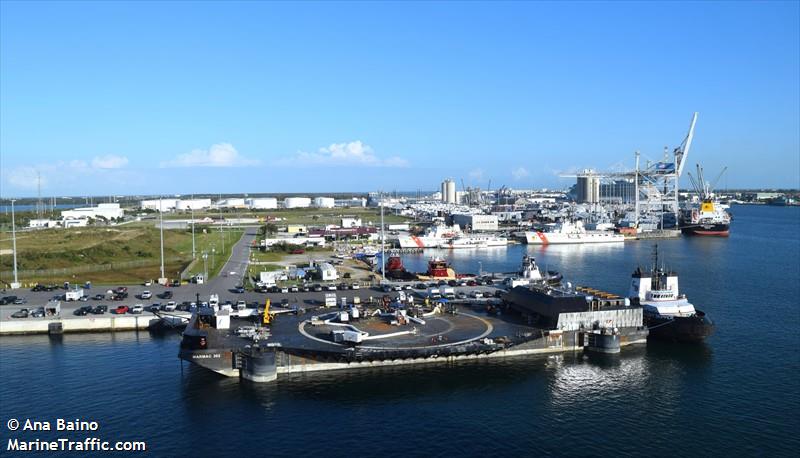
[[667, 313], [570, 232], [710, 216]]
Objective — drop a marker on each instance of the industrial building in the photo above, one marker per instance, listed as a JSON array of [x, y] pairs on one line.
[[477, 222], [296, 202], [324, 202], [326, 271], [165, 205], [107, 211], [232, 202]]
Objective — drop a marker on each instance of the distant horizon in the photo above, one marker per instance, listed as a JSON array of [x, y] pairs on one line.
[[263, 97]]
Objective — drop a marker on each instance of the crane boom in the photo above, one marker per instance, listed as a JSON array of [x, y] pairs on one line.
[[683, 151]]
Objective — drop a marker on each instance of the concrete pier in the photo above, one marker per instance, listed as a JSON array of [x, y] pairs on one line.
[[90, 323]]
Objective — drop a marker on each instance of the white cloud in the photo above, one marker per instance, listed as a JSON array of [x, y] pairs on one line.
[[219, 155], [109, 161], [25, 177], [351, 153], [519, 173], [476, 174]]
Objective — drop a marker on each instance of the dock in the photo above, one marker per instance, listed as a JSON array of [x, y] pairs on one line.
[[58, 325]]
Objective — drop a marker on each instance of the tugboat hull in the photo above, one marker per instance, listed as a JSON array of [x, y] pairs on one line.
[[680, 329]]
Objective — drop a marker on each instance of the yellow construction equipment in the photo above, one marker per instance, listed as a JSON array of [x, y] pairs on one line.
[[267, 316]]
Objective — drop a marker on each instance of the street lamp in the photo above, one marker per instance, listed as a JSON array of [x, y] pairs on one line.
[[205, 266], [213, 257], [14, 285]]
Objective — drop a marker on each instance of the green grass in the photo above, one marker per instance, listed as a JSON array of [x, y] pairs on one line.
[[96, 247]]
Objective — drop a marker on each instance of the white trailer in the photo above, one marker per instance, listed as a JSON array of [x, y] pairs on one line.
[[73, 294]]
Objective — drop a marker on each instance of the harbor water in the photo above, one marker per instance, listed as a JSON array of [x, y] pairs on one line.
[[738, 394]]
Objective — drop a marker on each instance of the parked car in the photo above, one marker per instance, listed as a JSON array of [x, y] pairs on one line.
[[452, 283], [342, 287], [170, 306], [19, 301], [146, 295], [477, 294], [175, 283], [239, 289], [136, 309], [38, 313], [407, 287], [84, 298], [148, 282], [298, 251], [166, 295], [330, 287], [305, 288], [461, 295], [99, 310], [294, 289], [355, 286], [121, 310], [284, 289], [317, 287], [8, 300], [498, 293], [420, 286], [82, 311], [21, 313], [471, 283], [99, 297], [397, 288]]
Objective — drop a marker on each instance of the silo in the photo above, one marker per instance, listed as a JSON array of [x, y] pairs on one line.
[[451, 192]]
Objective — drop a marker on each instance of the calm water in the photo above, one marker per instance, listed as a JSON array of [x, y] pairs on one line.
[[738, 394]]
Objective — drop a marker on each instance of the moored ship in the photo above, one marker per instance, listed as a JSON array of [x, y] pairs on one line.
[[570, 232], [433, 237], [475, 241], [668, 314], [709, 217]]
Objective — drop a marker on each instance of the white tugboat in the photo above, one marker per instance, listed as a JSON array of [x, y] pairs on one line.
[[667, 313]]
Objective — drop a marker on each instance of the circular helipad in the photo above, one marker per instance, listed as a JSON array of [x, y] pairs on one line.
[[438, 331]]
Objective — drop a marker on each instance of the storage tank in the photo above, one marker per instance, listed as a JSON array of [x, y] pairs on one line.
[[588, 187], [324, 202], [262, 203], [296, 202], [449, 191]]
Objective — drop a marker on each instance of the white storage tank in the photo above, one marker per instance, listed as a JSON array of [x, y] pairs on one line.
[[262, 203], [296, 202], [324, 202]]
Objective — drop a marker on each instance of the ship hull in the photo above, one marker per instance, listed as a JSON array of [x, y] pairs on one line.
[[715, 230], [545, 238], [694, 328], [217, 360]]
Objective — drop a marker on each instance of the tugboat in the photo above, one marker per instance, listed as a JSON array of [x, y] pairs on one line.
[[530, 273], [668, 314], [438, 269], [710, 218], [395, 269]]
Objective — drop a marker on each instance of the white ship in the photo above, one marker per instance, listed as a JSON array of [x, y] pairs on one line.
[[568, 232], [434, 237], [474, 241]]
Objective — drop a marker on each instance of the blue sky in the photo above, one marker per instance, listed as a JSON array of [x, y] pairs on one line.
[[116, 98]]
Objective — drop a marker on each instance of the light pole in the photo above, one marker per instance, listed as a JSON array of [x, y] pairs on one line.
[[191, 206], [161, 229], [14, 285], [205, 266], [213, 257]]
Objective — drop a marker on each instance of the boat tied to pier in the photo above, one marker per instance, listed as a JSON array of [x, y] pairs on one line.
[[667, 313], [570, 232]]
